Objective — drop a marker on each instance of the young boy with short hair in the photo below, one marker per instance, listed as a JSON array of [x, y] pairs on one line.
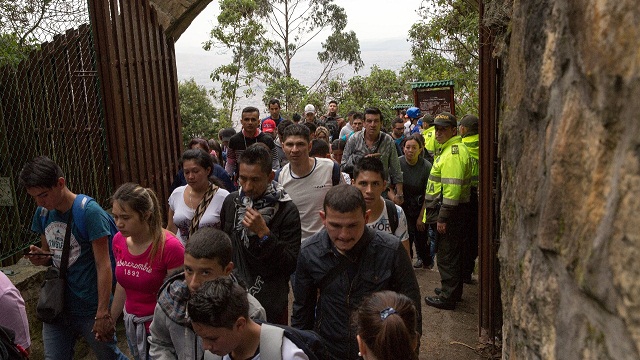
[[220, 315], [207, 256]]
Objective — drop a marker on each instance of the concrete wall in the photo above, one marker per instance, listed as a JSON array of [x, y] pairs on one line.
[[570, 163]]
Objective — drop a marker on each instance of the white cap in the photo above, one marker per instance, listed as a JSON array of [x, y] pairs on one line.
[[309, 109]]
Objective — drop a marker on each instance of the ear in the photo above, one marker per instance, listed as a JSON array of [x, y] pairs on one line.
[[362, 347], [61, 182], [228, 268], [323, 216], [366, 216], [241, 322], [272, 176]]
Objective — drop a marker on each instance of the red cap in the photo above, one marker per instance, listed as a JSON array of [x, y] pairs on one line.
[[268, 126]]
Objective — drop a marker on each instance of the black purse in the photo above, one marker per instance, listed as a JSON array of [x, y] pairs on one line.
[[50, 308]]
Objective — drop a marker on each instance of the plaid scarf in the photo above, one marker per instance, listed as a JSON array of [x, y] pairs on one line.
[[267, 206]]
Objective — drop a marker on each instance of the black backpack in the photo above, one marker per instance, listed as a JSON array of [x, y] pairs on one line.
[[8, 348], [392, 214], [331, 124], [306, 340]]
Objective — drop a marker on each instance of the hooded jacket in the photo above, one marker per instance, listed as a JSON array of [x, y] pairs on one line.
[[172, 336]]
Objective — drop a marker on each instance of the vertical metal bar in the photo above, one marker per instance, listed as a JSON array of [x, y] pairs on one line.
[[490, 306]]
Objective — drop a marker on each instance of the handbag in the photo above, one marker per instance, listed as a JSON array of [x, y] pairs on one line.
[[50, 306]]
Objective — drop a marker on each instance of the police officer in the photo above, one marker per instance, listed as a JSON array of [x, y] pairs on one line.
[[429, 134], [469, 131], [449, 187]]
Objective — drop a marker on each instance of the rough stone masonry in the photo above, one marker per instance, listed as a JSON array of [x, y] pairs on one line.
[[569, 145]]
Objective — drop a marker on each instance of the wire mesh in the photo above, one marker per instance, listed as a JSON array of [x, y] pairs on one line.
[[49, 105]]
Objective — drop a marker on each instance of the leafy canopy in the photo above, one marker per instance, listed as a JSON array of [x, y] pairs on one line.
[[199, 117]]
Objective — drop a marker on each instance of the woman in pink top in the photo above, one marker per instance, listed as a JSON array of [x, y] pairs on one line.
[[145, 254]]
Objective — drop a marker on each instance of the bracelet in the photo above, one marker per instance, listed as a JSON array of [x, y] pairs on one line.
[[108, 316]]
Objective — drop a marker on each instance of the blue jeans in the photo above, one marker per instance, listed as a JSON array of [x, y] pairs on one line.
[[59, 339]]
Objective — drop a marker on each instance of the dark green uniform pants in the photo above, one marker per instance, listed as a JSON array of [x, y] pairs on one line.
[[450, 255]]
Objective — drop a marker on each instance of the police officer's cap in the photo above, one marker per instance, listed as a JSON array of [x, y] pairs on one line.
[[446, 119], [470, 122], [427, 119]]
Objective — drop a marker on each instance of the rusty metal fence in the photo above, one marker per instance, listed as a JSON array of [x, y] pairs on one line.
[[49, 105], [92, 85]]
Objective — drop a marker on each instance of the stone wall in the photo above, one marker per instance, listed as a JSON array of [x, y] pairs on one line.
[[570, 164]]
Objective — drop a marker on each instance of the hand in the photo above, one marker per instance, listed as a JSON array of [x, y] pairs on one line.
[[420, 225], [373, 155], [104, 328], [442, 228], [253, 221], [38, 259]]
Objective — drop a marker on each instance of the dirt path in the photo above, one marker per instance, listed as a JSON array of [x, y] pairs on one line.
[[447, 335]]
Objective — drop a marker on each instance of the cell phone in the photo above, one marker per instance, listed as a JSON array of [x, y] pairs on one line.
[[38, 254]]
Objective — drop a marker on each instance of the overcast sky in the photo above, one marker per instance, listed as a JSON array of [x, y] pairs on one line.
[[372, 20]]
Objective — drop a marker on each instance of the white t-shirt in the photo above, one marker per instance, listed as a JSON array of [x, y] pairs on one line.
[[289, 352], [382, 223], [182, 213], [308, 192]]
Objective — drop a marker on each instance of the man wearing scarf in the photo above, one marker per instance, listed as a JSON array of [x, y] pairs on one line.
[[264, 225]]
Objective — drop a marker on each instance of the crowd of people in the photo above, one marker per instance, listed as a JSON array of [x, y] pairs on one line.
[[339, 210]]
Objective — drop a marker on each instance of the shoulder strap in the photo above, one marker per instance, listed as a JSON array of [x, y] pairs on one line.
[[335, 174], [78, 210], [271, 342], [64, 260], [202, 207], [392, 214]]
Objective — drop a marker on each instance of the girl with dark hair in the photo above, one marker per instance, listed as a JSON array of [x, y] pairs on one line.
[[198, 203], [145, 253], [386, 323]]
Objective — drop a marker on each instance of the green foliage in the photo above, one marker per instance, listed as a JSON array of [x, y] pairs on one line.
[[11, 53], [199, 117], [294, 23], [291, 93], [239, 30], [445, 46], [265, 35], [382, 88]]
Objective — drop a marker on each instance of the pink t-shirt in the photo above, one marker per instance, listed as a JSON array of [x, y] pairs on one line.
[[140, 280]]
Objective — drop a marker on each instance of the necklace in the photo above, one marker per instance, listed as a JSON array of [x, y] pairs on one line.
[[255, 140], [191, 198]]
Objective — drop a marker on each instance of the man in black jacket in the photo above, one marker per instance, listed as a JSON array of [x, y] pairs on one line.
[[345, 262], [264, 226]]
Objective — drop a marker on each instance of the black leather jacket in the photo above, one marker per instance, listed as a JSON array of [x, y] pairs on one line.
[[379, 262]]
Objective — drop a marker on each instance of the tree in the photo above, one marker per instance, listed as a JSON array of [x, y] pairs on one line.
[[445, 45], [382, 88], [294, 23], [239, 29], [200, 119], [291, 93], [36, 21], [24, 24]]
